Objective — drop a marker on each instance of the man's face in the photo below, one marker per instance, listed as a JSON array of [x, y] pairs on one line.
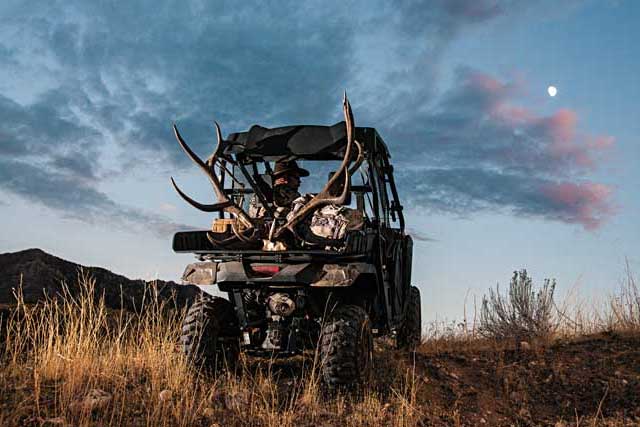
[[291, 180]]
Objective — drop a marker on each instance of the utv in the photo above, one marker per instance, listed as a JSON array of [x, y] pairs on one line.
[[291, 286]]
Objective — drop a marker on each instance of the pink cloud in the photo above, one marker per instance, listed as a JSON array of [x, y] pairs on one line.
[[485, 82], [556, 144], [513, 115], [600, 142], [587, 203], [567, 144], [561, 126], [561, 145], [536, 163]]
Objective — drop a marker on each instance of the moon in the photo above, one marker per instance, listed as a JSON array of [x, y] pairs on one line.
[[552, 91]]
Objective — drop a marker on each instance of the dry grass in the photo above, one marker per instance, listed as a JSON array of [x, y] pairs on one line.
[[625, 307], [511, 317], [56, 352]]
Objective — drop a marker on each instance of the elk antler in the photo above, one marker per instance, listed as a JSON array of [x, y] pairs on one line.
[[224, 203], [327, 195]]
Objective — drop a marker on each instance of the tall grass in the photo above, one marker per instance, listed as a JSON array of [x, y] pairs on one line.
[[625, 307], [524, 313], [54, 353], [619, 312], [69, 345], [57, 351]]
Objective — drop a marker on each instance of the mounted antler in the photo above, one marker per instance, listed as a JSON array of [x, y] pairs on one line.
[[224, 203], [341, 179]]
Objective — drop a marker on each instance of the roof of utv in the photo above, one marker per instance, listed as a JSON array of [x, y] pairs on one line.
[[303, 142]]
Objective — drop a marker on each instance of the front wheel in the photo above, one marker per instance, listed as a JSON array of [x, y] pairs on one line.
[[346, 348], [410, 335], [210, 333]]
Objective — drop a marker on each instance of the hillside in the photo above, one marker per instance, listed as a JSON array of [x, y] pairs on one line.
[[591, 377], [43, 274], [77, 362]]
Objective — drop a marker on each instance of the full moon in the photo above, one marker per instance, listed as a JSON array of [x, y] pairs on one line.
[[552, 90]]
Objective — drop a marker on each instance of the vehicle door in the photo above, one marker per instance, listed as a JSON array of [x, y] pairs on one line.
[[395, 247]]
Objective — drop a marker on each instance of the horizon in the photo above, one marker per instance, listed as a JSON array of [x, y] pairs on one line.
[[496, 173]]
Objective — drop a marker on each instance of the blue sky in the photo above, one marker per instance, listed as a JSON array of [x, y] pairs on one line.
[[496, 175]]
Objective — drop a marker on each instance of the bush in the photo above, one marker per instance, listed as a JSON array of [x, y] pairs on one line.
[[523, 314]]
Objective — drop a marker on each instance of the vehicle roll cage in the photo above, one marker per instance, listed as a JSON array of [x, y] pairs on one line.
[[244, 155]]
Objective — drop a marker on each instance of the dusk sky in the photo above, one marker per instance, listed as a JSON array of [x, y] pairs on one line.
[[495, 173]]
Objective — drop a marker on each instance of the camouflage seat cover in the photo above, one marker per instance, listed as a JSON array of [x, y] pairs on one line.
[[329, 222]]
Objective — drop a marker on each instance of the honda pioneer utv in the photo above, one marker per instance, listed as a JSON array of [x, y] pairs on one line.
[[329, 272]]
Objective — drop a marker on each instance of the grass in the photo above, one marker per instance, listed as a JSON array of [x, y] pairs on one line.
[[625, 307], [55, 353]]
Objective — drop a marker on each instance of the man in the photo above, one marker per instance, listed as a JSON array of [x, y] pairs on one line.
[[286, 182], [329, 222]]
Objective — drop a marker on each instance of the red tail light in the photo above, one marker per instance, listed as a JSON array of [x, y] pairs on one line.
[[268, 270]]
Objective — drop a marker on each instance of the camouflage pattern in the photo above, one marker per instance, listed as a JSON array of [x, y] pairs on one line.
[[256, 210], [331, 221], [283, 197]]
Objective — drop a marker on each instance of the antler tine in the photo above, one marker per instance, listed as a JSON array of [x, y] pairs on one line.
[[241, 234], [325, 196], [348, 117], [359, 159], [234, 209], [223, 201], [203, 207], [215, 183]]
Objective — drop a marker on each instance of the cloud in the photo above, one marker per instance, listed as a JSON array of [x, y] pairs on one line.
[[419, 236], [480, 151], [111, 81], [137, 69], [399, 63], [168, 207], [78, 200], [39, 129], [586, 203], [84, 86], [464, 191]]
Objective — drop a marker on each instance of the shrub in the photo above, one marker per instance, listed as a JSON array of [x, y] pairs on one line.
[[523, 314]]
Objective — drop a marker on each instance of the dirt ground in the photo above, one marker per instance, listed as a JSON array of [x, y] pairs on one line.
[[593, 380], [591, 377]]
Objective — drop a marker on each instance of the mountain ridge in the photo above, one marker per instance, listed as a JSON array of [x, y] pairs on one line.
[[40, 274]]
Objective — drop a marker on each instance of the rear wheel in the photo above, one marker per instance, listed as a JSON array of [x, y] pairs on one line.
[[410, 334], [210, 333], [346, 348]]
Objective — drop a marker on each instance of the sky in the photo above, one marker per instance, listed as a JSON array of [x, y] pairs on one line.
[[496, 175]]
